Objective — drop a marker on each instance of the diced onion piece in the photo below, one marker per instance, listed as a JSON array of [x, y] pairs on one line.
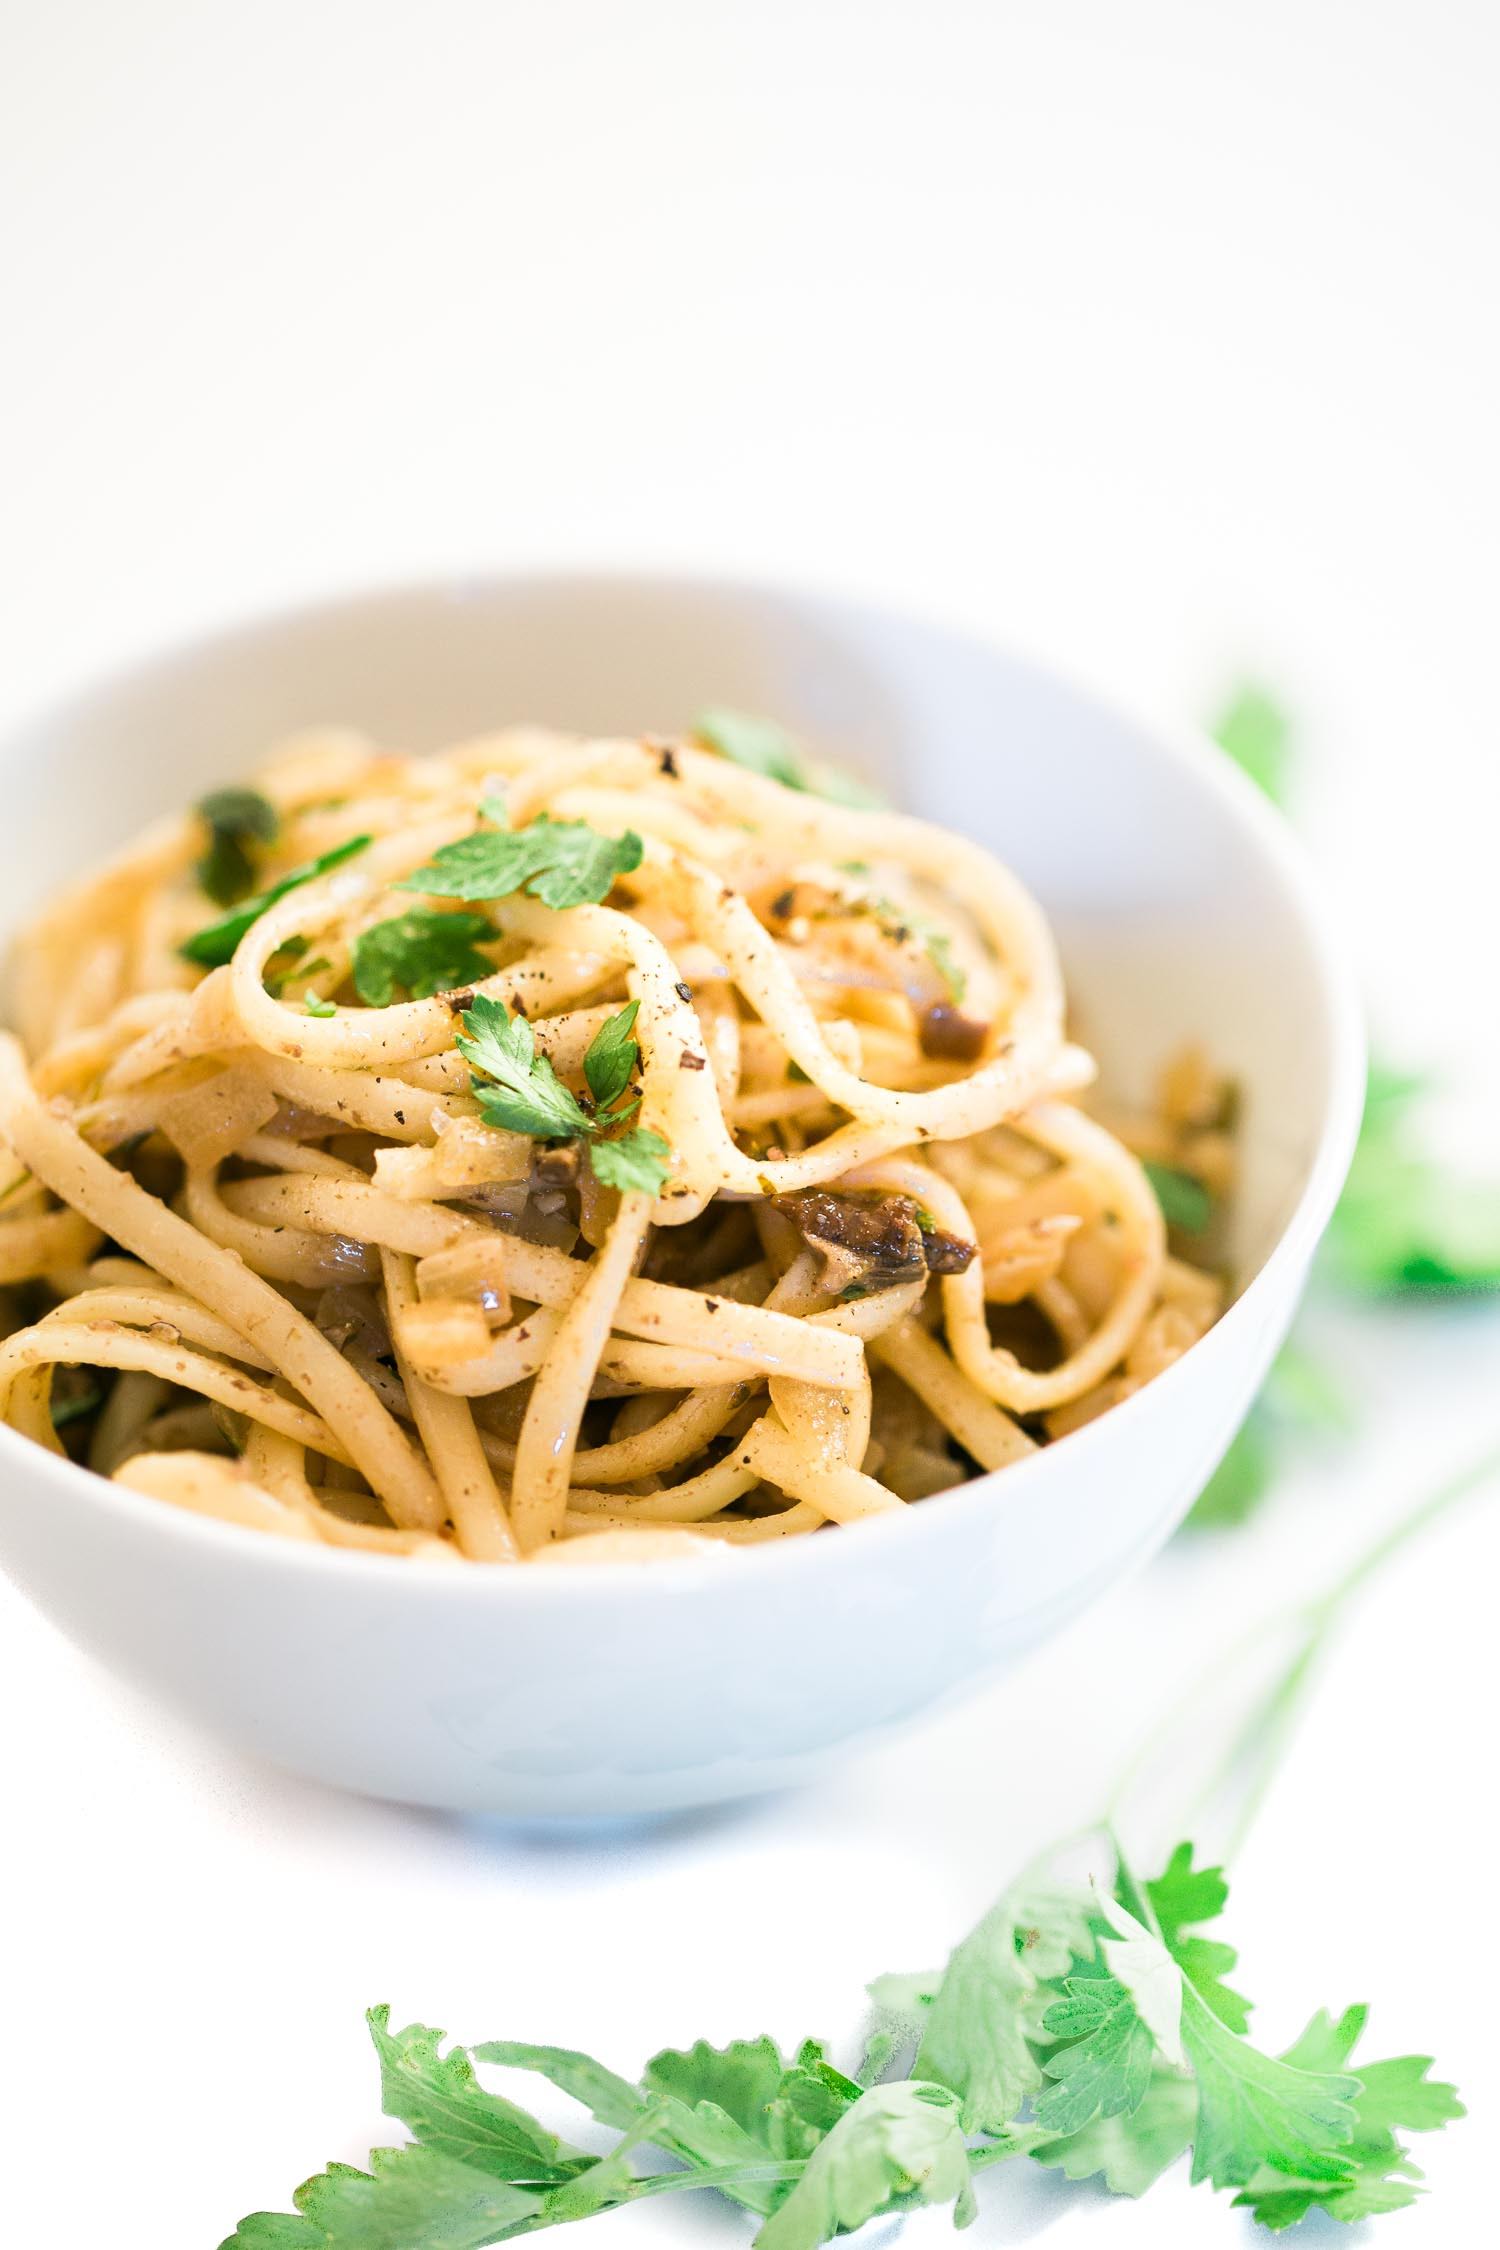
[[442, 1332], [209, 1121], [474, 1269]]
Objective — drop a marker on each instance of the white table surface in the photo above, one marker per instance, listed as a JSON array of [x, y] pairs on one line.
[[1161, 339]]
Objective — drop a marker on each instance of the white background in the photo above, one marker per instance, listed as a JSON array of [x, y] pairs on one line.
[[1161, 338]]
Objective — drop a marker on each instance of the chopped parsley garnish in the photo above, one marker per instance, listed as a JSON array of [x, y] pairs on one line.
[[1185, 1202], [517, 1089], [236, 819], [318, 1006], [763, 747], [561, 862], [212, 947], [420, 953]]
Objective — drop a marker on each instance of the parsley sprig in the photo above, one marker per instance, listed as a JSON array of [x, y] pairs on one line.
[[1085, 2024], [236, 818], [517, 1088], [561, 862], [763, 747], [210, 948], [421, 953]]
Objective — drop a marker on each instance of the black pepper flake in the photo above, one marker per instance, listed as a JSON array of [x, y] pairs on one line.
[[782, 906], [400, 1117], [669, 763], [458, 1001], [687, 1060], [684, 991]]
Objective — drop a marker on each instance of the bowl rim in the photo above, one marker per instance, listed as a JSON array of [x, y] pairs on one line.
[[1190, 750]]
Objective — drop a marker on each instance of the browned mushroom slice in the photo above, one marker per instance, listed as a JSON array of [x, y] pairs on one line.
[[947, 1035], [869, 1242]]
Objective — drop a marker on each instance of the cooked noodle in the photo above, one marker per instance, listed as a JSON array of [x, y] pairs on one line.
[[270, 1256]]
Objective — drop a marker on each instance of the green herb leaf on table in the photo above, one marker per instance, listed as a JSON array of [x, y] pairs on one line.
[[896, 2147], [562, 862], [236, 818], [977, 2031], [763, 747], [1183, 1896], [441, 2102], [210, 948], [412, 2198], [1185, 1202], [420, 953]]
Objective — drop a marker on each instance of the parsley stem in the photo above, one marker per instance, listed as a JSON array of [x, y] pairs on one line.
[[1250, 1765]]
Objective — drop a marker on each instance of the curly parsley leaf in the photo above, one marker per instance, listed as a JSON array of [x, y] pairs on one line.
[[612, 1056], [421, 953], [637, 1162], [236, 818], [763, 747], [896, 2147], [561, 862], [519, 1089], [210, 948], [1185, 1202]]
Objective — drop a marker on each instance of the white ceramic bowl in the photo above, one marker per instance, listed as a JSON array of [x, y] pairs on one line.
[[1184, 909]]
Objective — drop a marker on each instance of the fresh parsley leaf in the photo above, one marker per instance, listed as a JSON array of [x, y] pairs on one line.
[[441, 2102], [1182, 1895], [612, 1056], [608, 2098], [317, 1006], [1185, 1202], [210, 948], [410, 2196], [1391, 2095], [639, 1161], [696, 2129], [763, 747], [1257, 735], [809, 2102], [1130, 2153], [896, 2147], [977, 2029], [741, 2079], [526, 1095], [561, 862], [236, 818], [422, 952], [1255, 2111], [1103, 2068]]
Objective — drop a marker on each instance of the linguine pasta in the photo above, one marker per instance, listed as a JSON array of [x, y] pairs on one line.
[[558, 1149]]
